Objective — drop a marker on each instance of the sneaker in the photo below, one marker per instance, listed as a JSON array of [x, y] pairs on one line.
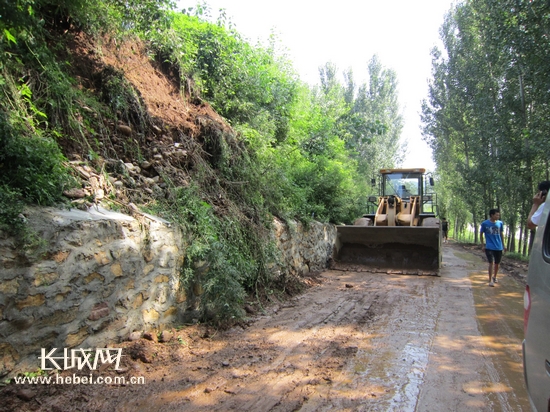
[[495, 280], [492, 283]]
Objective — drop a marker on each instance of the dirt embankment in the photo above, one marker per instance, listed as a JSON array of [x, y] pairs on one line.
[[155, 141]]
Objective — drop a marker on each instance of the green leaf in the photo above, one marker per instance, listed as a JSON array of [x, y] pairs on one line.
[[9, 36]]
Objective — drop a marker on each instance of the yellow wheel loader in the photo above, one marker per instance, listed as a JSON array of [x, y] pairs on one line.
[[400, 233]]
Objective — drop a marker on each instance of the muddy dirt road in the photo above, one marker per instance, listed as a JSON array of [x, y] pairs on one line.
[[355, 342]]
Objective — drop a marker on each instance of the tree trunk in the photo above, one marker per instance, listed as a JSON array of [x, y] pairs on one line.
[[520, 244], [512, 237], [475, 230]]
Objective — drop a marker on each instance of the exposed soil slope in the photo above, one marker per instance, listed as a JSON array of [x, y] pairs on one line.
[[160, 131]]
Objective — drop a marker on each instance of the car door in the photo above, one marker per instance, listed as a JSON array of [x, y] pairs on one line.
[[537, 337]]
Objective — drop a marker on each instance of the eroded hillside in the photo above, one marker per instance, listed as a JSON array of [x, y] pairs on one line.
[[160, 130]]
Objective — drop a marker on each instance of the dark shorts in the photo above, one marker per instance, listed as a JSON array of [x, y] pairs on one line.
[[493, 256]]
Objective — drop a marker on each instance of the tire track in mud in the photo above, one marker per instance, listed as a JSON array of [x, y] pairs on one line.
[[351, 343], [305, 347], [388, 368]]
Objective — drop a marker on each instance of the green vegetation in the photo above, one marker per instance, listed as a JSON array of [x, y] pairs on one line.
[[517, 256], [294, 151], [486, 114]]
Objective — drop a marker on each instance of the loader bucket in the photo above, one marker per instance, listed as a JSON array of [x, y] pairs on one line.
[[389, 247]]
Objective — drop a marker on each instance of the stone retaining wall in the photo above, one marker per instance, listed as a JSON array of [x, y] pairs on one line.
[[105, 275], [305, 249]]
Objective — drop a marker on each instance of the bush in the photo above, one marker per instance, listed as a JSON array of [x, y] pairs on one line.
[[224, 258], [11, 207], [32, 166]]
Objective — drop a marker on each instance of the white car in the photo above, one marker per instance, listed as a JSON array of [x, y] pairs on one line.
[[536, 345]]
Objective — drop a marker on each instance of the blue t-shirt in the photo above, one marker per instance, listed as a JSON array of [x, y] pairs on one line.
[[492, 231]]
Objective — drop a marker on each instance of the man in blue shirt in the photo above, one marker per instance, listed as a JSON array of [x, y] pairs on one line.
[[493, 246]]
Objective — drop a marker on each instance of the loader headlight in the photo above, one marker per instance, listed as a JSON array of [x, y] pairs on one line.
[[373, 199], [427, 198]]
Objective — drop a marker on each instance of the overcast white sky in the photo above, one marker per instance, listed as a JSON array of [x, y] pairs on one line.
[[348, 33]]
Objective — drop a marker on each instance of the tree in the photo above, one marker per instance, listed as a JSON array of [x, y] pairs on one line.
[[484, 101]]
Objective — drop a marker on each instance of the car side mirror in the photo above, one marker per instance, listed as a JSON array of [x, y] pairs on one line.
[[431, 181]]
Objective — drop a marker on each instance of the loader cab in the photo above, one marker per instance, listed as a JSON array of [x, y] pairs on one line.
[[405, 183], [402, 184]]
